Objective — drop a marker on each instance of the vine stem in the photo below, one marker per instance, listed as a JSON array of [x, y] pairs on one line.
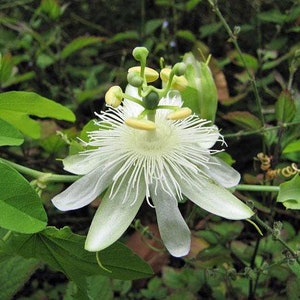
[[257, 188], [49, 177], [280, 240], [233, 39], [260, 130], [41, 176]]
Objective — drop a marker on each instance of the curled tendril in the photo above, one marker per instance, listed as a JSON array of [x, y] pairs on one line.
[[265, 161], [265, 165]]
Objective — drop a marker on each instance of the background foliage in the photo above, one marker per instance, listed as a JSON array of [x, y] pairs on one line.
[[72, 52]]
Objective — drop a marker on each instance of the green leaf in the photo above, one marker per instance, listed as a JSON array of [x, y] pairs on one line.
[[295, 267], [64, 251], [226, 157], [273, 16], [209, 29], [289, 193], [246, 59], [293, 288], [100, 287], [90, 126], [9, 135], [21, 208], [244, 119], [15, 271], [213, 256], [292, 147], [126, 35], [152, 25], [44, 60], [79, 43], [186, 34], [51, 7], [191, 4], [227, 230], [184, 279], [18, 78], [16, 107], [285, 108], [242, 250], [6, 68], [91, 94], [155, 289]]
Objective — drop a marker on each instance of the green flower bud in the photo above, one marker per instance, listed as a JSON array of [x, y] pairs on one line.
[[205, 99], [179, 69], [134, 79], [151, 100], [140, 53]]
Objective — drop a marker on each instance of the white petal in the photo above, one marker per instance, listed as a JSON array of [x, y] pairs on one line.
[[223, 173], [216, 199], [81, 164], [172, 227], [112, 218], [84, 190]]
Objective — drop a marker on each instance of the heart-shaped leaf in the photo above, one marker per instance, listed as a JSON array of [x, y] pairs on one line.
[[64, 251], [21, 208]]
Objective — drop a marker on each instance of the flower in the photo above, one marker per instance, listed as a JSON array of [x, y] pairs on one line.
[[162, 165]]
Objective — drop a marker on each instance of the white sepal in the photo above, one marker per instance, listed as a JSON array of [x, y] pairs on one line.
[[172, 227]]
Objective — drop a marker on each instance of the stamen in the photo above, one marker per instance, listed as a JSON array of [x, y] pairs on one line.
[[140, 124], [150, 74], [180, 113]]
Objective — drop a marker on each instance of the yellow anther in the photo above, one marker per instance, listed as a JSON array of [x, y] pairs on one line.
[[140, 124], [113, 96], [165, 74], [178, 83], [150, 74], [180, 113]]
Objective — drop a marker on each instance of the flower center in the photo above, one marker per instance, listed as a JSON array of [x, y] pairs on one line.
[[155, 143]]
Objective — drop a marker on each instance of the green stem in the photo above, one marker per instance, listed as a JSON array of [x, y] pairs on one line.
[[151, 115], [44, 177], [133, 99], [233, 38], [271, 231], [260, 130], [257, 188], [49, 177]]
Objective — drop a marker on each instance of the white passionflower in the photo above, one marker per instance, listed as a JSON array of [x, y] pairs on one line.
[[160, 165]]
